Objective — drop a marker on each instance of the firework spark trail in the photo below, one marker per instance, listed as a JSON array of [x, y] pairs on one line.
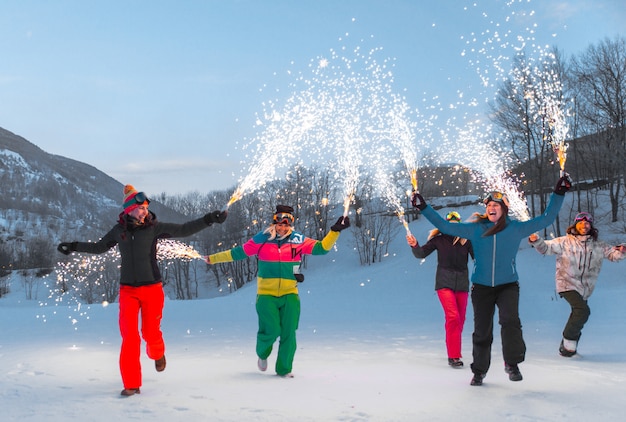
[[278, 145], [85, 269], [490, 52], [539, 79], [558, 131], [489, 166], [389, 195], [351, 87], [343, 113], [402, 135], [168, 249], [543, 90]]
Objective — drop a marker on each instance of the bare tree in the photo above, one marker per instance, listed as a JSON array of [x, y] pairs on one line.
[[179, 270], [600, 73], [377, 225]]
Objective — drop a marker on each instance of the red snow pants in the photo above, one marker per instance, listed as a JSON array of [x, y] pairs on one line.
[[148, 302], [454, 305]]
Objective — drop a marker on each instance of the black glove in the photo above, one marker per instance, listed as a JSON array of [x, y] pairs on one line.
[[342, 223], [215, 217], [418, 201], [66, 248], [563, 185]]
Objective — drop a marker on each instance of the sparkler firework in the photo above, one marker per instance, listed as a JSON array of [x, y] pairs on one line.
[[557, 129], [95, 276], [343, 114]]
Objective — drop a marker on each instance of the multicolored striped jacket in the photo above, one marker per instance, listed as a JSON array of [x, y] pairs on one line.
[[279, 259]]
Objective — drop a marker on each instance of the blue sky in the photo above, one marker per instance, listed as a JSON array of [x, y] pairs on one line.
[[163, 94]]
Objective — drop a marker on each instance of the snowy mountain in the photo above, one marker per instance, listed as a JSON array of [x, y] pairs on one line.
[[47, 197]]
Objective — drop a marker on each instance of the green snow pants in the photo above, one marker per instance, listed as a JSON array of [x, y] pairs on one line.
[[278, 317]]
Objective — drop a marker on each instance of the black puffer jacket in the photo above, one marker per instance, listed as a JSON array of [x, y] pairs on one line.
[[138, 244], [452, 270]]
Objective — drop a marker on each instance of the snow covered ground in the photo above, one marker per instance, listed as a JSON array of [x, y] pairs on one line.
[[370, 348]]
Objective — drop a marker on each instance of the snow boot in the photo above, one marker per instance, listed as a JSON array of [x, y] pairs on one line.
[[127, 392], [477, 379], [513, 371], [455, 362], [262, 364], [567, 348], [159, 364]]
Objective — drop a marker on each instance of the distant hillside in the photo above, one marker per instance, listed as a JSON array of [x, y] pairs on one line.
[[47, 197]]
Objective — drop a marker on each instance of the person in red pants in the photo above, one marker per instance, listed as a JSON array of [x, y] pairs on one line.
[[451, 281], [141, 289]]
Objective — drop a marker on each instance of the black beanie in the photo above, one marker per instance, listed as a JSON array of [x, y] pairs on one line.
[[284, 208]]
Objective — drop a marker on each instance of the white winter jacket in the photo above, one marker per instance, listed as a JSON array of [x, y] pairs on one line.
[[579, 260]]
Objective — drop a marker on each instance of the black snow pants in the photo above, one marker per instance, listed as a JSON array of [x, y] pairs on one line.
[[578, 317], [484, 302]]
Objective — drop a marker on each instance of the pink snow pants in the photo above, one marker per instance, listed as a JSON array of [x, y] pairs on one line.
[[147, 301], [454, 305]]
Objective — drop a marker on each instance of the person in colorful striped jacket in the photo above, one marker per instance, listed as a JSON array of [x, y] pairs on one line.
[[279, 249]]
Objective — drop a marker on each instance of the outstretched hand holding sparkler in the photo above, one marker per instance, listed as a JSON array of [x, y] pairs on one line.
[[563, 184], [418, 201], [342, 223]]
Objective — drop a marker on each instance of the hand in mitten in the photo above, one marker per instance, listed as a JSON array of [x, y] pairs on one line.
[[342, 223], [66, 248], [563, 184], [418, 201], [216, 217]]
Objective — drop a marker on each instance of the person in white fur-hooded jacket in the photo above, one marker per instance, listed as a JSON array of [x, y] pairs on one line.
[[579, 259]]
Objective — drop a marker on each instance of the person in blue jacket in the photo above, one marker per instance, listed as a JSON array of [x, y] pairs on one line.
[[495, 238]]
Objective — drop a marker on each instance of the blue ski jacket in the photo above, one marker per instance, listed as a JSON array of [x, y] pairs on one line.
[[495, 255]]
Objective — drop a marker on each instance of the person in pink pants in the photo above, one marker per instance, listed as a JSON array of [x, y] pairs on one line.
[[451, 282]]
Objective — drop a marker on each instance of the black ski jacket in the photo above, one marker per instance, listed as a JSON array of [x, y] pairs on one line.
[[452, 270], [138, 246]]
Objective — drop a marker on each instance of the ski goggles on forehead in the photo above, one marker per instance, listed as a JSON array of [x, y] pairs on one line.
[[453, 216], [140, 198], [584, 216], [283, 218], [497, 197]]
